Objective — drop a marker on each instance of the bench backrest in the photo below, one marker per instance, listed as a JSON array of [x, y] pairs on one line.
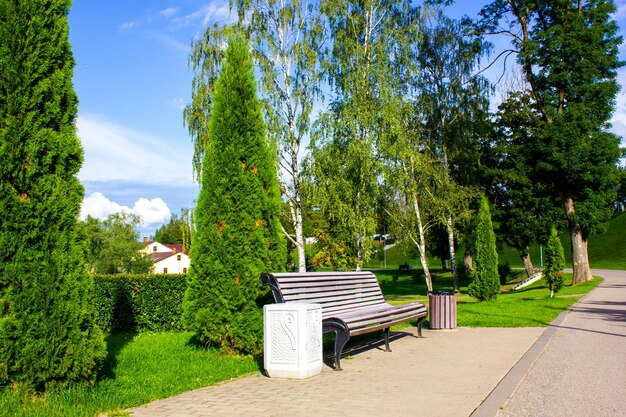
[[335, 291]]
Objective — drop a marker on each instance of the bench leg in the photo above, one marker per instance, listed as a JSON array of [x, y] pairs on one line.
[[420, 322], [341, 338], [387, 340]]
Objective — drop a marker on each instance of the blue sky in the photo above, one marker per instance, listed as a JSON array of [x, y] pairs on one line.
[[133, 80]]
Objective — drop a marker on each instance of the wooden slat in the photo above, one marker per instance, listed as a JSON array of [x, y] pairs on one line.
[[328, 312], [380, 311], [369, 321], [381, 326], [307, 284], [317, 275], [338, 290], [330, 298], [305, 288]]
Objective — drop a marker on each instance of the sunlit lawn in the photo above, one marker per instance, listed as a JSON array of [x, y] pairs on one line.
[[139, 369], [530, 306]]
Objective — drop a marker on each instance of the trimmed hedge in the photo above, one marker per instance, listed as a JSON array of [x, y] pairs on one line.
[[139, 302]]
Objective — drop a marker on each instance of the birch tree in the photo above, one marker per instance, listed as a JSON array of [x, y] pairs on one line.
[[287, 37], [453, 97], [368, 49]]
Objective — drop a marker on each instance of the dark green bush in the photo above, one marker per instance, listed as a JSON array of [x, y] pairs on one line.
[[504, 270], [142, 302]]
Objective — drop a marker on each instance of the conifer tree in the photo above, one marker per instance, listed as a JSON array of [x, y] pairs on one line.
[[48, 335], [555, 262], [486, 282], [238, 232]]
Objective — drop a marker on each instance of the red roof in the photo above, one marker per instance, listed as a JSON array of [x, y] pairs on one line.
[[178, 248]]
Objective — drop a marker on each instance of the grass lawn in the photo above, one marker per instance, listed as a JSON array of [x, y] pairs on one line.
[[140, 368], [528, 307]]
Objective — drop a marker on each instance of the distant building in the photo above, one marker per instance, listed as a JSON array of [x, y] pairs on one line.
[[167, 259]]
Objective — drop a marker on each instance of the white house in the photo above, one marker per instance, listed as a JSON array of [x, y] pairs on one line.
[[167, 259]]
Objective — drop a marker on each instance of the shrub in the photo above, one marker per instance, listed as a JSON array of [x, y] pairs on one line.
[[504, 270], [555, 262], [146, 302], [486, 283]]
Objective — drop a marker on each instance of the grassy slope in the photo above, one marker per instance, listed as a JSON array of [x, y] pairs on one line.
[[606, 251]]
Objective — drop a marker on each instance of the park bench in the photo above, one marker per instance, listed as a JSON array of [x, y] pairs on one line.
[[405, 267], [352, 303]]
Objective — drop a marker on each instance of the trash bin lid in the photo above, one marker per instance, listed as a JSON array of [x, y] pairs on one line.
[[441, 292]]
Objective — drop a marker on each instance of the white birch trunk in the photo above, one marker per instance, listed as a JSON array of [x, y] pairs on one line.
[[421, 245], [455, 273]]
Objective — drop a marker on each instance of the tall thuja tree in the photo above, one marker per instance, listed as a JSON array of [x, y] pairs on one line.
[[486, 282], [555, 262], [365, 46], [48, 335], [453, 104], [238, 232], [568, 51]]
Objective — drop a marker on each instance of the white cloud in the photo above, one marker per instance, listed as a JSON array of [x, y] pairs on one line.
[[100, 207], [178, 103], [170, 11], [128, 25], [168, 41], [117, 153], [152, 212], [216, 11], [620, 11]]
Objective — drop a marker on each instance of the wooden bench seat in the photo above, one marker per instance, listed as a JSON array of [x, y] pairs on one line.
[[352, 303]]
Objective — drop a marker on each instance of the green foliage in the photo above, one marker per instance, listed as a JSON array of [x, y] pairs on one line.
[[523, 210], [237, 216], [332, 254], [555, 262], [137, 302], [178, 231], [568, 53], [370, 54], [503, 272], [140, 368], [113, 246], [486, 282], [48, 336]]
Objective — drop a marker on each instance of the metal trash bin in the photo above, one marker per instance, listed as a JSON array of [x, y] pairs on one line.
[[442, 309]]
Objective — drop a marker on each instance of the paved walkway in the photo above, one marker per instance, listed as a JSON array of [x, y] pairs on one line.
[[582, 370], [577, 368]]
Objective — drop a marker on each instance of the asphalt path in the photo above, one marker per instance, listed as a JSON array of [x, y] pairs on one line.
[[581, 370]]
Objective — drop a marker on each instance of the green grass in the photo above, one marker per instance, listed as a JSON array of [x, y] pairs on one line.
[[139, 369], [529, 307]]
